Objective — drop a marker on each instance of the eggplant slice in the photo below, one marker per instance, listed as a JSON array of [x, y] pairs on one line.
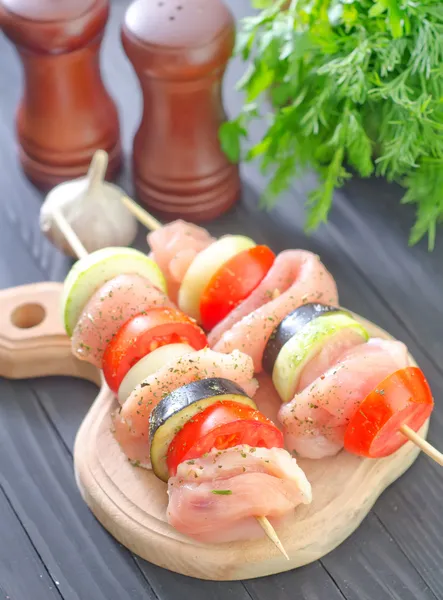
[[302, 347], [291, 325], [178, 407]]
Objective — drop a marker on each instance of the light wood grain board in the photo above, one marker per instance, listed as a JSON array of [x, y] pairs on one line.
[[131, 502]]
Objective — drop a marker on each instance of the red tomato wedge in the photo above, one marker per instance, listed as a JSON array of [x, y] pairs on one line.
[[234, 282], [403, 398], [144, 333], [222, 425]]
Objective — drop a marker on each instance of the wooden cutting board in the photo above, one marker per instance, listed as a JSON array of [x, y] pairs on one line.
[[131, 502]]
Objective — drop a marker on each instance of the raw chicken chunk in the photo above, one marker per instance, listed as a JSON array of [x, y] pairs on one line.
[[109, 308], [296, 277], [216, 498], [315, 420]]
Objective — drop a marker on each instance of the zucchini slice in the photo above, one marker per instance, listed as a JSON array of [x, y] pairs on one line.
[[291, 325], [304, 345], [91, 272], [204, 266], [176, 409], [148, 365]]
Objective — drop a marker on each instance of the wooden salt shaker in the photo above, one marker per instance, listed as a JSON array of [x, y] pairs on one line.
[[66, 113], [179, 50]]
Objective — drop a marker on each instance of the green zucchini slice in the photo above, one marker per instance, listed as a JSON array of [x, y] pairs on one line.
[[291, 325], [304, 345], [176, 409], [94, 270]]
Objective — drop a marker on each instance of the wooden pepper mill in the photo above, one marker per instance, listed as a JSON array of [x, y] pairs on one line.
[[66, 113], [179, 50]]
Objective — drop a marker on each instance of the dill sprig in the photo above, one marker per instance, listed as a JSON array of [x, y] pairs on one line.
[[354, 85]]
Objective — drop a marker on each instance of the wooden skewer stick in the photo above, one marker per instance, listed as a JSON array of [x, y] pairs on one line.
[[69, 234], [272, 535], [97, 171], [141, 214], [425, 446], [81, 252]]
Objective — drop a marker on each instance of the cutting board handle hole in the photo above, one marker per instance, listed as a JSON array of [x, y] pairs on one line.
[[28, 315]]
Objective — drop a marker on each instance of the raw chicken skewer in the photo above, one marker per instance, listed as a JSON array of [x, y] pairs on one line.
[[153, 224], [81, 251]]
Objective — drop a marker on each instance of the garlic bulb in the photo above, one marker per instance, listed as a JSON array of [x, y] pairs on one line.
[[92, 207]]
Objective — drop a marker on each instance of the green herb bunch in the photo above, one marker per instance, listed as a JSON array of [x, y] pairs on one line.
[[355, 86]]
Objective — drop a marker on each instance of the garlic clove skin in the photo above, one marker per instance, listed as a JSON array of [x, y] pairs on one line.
[[97, 215]]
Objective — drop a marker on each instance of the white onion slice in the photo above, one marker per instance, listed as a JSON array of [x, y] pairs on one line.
[[148, 365], [204, 266]]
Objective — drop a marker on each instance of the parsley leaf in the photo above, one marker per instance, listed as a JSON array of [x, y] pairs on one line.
[[230, 135], [352, 85]]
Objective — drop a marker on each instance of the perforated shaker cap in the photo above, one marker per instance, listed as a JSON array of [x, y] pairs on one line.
[[177, 23], [48, 10]]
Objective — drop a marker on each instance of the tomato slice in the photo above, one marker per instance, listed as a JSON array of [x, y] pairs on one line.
[[403, 398], [144, 333], [234, 282], [222, 425]]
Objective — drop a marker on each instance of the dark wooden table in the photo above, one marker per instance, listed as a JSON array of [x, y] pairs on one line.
[[50, 544]]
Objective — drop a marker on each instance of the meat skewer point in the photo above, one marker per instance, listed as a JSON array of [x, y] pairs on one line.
[[272, 535]]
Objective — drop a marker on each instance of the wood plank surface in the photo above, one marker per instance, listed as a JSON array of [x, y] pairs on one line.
[[21, 568], [37, 474], [397, 553]]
